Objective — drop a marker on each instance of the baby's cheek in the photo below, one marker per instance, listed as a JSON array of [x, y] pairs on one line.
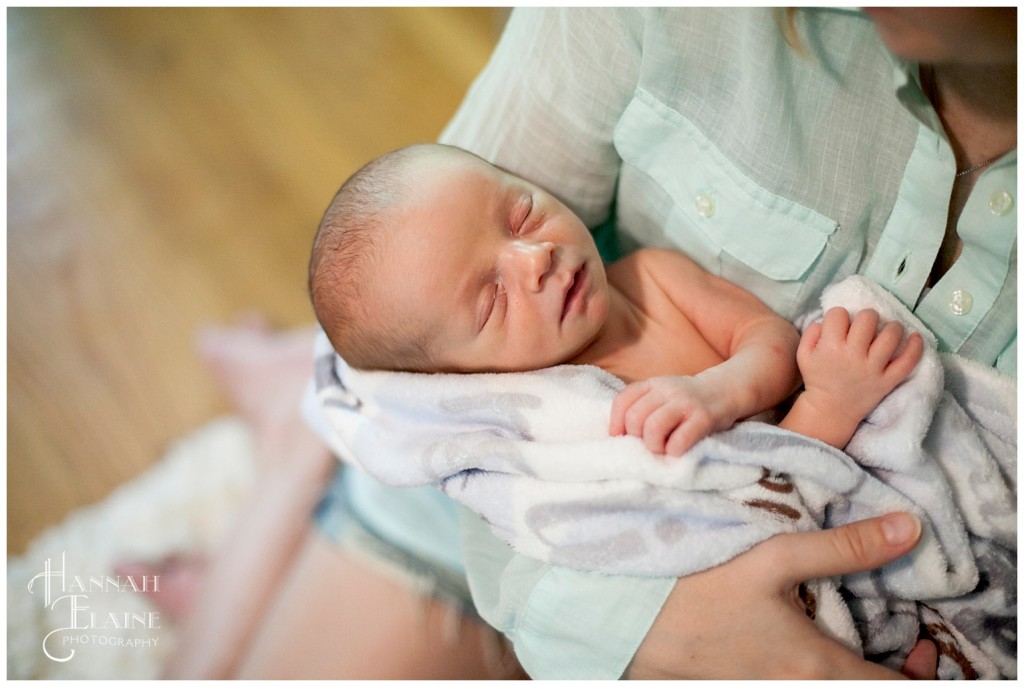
[[546, 352]]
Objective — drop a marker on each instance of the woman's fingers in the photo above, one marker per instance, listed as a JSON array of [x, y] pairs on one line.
[[922, 662], [856, 547]]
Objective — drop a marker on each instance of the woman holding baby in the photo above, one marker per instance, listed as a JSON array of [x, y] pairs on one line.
[[782, 151]]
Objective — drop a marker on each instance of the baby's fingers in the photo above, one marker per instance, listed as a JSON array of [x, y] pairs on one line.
[[835, 326], [659, 425], [862, 334], [809, 339], [903, 364], [623, 401], [688, 433], [808, 342], [886, 342], [641, 406]]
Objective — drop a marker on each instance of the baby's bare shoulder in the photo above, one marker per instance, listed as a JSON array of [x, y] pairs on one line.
[[660, 264], [650, 274]]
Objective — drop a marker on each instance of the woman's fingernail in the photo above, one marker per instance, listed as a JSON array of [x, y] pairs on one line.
[[900, 528]]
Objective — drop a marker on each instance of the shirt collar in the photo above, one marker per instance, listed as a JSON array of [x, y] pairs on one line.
[[906, 82]]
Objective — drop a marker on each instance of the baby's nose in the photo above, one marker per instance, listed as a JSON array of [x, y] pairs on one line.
[[529, 262]]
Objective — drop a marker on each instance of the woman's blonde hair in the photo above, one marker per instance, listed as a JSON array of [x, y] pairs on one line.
[[785, 20]]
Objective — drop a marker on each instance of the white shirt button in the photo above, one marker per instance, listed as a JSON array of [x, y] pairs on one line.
[[1000, 203], [705, 204], [961, 302]]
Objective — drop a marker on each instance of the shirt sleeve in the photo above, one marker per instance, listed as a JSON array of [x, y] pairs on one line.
[[545, 106], [563, 623], [778, 172]]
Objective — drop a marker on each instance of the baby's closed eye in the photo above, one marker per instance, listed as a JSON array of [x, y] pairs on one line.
[[521, 211]]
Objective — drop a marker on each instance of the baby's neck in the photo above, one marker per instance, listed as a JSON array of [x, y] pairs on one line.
[[614, 346], [645, 333]]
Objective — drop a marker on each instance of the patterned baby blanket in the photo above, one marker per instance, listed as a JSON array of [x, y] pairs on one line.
[[530, 453]]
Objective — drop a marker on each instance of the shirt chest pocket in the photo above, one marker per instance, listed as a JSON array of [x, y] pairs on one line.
[[753, 228]]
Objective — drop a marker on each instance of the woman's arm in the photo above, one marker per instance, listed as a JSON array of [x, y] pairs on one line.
[[723, 622], [546, 106]]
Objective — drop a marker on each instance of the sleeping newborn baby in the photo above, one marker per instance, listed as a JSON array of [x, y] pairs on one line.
[[430, 259]]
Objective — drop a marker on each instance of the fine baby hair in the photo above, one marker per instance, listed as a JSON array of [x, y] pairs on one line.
[[345, 263]]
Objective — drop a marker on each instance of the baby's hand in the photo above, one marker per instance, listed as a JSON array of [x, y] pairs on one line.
[[670, 414], [849, 367]]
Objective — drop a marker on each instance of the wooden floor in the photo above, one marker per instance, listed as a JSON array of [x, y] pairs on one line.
[[166, 168]]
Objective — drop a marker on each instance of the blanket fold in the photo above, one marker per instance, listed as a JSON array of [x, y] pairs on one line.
[[530, 453]]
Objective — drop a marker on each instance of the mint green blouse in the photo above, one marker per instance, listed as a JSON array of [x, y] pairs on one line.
[[702, 130]]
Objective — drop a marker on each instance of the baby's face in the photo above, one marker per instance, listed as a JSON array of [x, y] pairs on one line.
[[498, 273]]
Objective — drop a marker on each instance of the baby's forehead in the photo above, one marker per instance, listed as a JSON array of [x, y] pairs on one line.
[[449, 186], [448, 160]]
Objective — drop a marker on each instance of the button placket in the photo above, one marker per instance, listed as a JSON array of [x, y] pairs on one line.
[[960, 302], [704, 204], [1000, 202]]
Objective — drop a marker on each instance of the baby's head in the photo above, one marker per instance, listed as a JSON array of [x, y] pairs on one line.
[[430, 259], [348, 262]]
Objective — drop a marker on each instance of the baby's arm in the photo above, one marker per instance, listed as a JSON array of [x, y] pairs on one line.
[[758, 347], [848, 368]]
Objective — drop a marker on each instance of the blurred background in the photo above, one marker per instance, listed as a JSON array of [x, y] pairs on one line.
[[167, 168]]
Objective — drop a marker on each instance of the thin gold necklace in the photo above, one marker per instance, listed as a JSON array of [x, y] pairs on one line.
[[986, 163]]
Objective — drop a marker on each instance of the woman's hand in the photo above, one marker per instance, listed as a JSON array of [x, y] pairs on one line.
[[744, 619]]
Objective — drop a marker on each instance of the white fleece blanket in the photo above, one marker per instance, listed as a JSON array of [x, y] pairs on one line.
[[530, 453]]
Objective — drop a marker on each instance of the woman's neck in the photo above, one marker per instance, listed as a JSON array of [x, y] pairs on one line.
[[977, 105], [978, 109]]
